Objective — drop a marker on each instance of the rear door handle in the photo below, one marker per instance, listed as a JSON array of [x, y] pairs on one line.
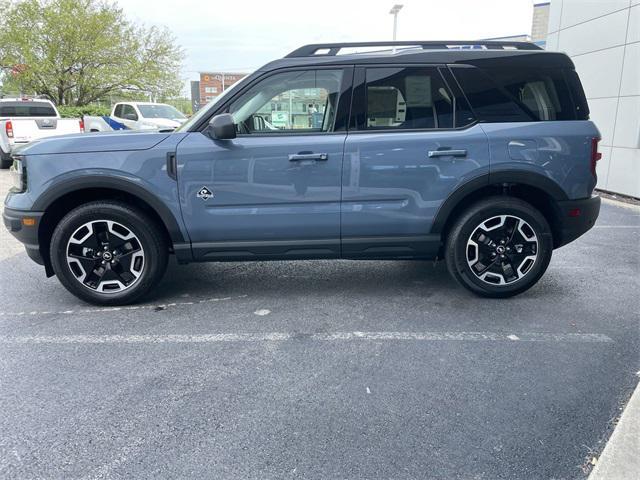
[[297, 157], [447, 153]]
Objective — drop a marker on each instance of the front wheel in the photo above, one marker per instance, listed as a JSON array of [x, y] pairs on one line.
[[108, 253], [499, 247]]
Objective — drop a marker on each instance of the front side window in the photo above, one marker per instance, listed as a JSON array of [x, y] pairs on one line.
[[289, 102], [129, 112], [407, 98]]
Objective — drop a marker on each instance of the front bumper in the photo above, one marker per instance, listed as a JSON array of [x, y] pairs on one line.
[[576, 218], [14, 221]]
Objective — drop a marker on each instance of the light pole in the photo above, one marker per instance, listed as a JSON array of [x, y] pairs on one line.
[[394, 11]]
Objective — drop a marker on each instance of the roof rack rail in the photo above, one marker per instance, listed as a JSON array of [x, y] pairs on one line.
[[332, 49]]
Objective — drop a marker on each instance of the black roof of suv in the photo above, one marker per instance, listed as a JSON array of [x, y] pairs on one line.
[[479, 53]]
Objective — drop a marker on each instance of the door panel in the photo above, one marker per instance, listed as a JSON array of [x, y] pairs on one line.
[[263, 203], [274, 190], [407, 154], [393, 188]]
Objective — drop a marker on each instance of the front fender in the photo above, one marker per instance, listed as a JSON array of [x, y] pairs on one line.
[[117, 181], [141, 173]]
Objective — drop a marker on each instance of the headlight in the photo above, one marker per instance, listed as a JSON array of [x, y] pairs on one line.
[[18, 174]]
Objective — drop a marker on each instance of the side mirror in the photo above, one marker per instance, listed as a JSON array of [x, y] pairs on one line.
[[221, 127]]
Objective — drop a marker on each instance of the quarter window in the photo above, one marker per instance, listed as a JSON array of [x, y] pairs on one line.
[[517, 94], [542, 93], [290, 102], [407, 98]]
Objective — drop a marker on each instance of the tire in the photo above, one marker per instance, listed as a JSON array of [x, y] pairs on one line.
[[479, 262], [132, 264], [5, 160]]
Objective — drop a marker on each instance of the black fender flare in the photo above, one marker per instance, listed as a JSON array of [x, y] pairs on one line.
[[113, 183], [519, 177]]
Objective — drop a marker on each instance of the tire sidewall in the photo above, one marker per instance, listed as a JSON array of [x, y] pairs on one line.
[[155, 253], [468, 223]]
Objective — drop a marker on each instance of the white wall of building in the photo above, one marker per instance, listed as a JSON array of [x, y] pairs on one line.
[[602, 37]]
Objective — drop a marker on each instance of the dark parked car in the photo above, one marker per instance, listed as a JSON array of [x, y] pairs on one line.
[[484, 157]]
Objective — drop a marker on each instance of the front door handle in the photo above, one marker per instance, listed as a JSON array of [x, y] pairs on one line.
[[297, 157], [447, 153]]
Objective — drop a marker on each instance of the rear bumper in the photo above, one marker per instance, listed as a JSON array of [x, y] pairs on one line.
[[28, 235], [576, 218]]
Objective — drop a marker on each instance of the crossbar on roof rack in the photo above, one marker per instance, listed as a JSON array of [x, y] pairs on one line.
[[332, 49]]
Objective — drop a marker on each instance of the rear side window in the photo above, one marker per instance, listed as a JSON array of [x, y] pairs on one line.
[[405, 98], [518, 94], [118, 111], [26, 109]]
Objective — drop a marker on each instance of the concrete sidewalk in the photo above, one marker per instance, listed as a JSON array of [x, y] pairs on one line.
[[620, 459]]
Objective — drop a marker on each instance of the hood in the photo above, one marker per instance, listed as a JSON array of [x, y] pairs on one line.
[[93, 142]]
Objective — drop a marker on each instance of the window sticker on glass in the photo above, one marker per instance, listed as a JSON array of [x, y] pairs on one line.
[[418, 88]]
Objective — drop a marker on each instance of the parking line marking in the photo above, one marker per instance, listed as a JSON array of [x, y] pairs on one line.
[[323, 337], [162, 306], [616, 226]]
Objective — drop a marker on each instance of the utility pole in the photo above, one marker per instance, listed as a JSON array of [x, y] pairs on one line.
[[394, 11]]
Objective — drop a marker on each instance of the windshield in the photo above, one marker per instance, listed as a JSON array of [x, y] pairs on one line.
[[204, 111], [160, 111], [26, 109]]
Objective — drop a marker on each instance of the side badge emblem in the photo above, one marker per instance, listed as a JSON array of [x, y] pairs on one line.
[[204, 193]]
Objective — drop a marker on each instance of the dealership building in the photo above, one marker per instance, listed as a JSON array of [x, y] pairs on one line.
[[603, 40]]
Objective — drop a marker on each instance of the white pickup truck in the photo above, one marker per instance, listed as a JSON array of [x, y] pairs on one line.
[[23, 120], [137, 116]]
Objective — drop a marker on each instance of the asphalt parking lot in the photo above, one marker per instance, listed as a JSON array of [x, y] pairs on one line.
[[322, 369]]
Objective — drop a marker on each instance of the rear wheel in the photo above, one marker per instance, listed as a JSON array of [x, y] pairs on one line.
[[108, 253], [5, 160], [499, 247]]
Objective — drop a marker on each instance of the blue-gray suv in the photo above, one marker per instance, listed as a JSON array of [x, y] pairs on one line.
[[482, 155]]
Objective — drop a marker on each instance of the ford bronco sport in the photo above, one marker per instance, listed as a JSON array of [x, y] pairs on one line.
[[482, 155]]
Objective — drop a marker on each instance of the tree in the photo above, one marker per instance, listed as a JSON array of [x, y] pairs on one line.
[[78, 51]]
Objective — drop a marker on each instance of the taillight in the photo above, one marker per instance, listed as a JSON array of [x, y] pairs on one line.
[[82, 125], [595, 154], [8, 127]]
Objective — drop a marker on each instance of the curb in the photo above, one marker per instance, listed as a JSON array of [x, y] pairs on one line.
[[620, 459]]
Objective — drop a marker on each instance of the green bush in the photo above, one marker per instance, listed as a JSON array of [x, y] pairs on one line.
[[77, 112]]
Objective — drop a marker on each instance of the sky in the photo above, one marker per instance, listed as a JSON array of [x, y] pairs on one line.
[[242, 35]]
